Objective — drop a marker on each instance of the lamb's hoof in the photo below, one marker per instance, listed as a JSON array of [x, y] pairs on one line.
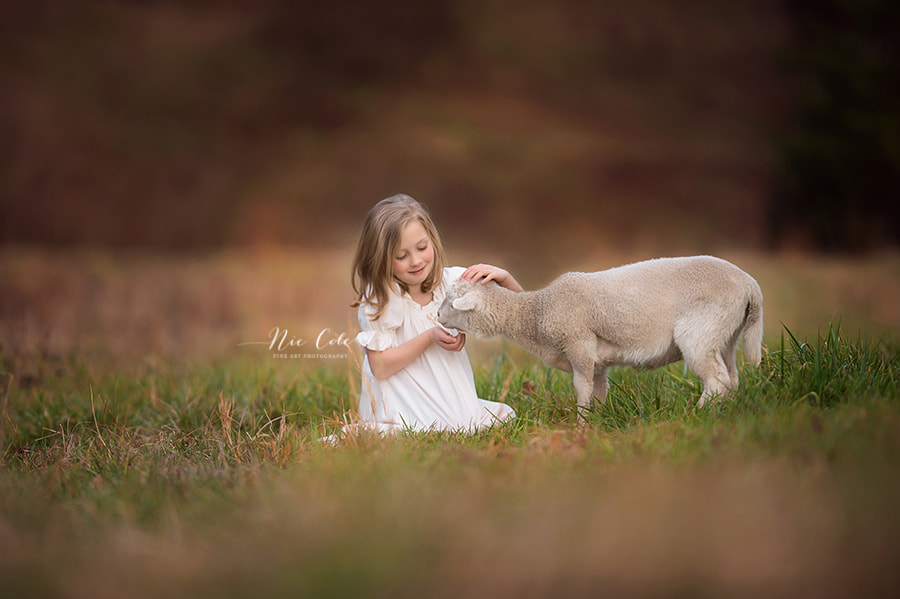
[[580, 418]]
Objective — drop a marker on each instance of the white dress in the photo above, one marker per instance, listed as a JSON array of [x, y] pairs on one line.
[[436, 391]]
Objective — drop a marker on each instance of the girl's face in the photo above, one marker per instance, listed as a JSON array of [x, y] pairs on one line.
[[415, 255]]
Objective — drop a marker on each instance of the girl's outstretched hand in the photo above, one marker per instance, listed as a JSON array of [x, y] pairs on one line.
[[446, 341], [486, 273]]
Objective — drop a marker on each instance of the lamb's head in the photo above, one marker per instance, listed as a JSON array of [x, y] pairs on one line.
[[461, 305]]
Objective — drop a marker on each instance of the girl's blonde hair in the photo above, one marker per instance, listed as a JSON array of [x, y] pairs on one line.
[[373, 264]]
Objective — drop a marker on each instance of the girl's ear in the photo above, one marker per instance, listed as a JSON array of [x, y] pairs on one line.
[[466, 303]]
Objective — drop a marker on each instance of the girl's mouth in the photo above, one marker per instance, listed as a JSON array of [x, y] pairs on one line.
[[418, 272]]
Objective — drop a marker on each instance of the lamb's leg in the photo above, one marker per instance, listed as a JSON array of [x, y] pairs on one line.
[[714, 374], [730, 356], [706, 356], [706, 362], [583, 379], [601, 384]]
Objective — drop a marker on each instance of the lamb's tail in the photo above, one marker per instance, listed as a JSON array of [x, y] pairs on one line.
[[753, 325]]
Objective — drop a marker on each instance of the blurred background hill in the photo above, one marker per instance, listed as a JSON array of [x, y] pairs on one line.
[[673, 126]]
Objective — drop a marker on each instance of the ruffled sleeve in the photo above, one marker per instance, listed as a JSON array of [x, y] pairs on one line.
[[380, 334]]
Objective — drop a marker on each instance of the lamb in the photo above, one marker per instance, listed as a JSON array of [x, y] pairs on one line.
[[645, 315]]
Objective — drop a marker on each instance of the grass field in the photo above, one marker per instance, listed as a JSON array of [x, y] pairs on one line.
[[145, 454]]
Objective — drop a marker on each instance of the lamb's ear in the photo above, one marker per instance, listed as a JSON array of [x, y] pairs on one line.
[[465, 303]]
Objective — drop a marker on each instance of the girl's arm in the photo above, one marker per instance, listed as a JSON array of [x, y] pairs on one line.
[[391, 361], [486, 272]]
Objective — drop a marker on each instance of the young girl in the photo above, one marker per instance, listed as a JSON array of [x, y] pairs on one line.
[[415, 374]]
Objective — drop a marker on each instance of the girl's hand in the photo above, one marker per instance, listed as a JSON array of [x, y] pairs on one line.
[[446, 341], [486, 273]]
